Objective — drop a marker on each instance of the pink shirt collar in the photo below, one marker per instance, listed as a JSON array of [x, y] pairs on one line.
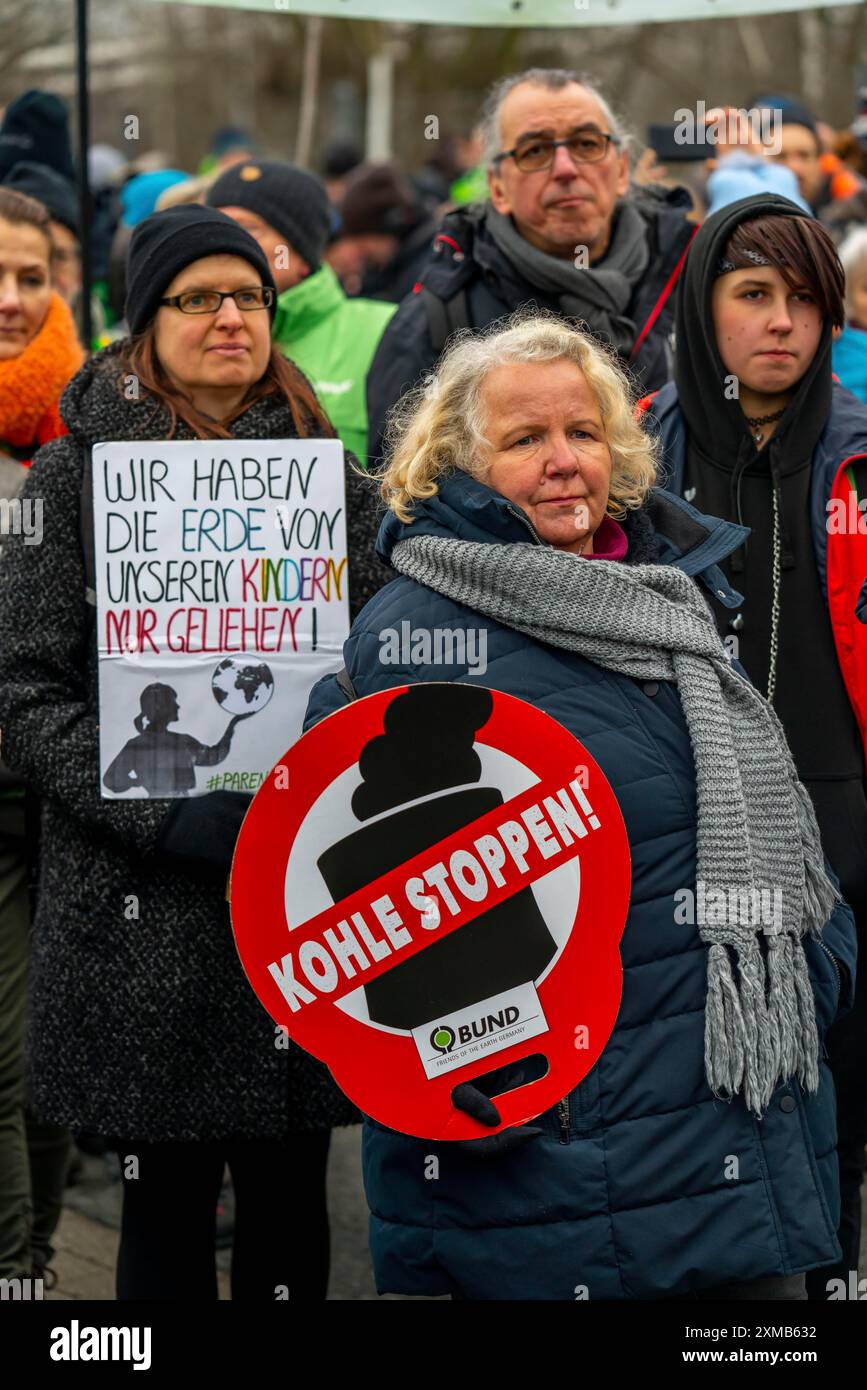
[[609, 541]]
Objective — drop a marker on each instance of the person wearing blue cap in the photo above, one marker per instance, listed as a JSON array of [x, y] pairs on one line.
[[138, 199]]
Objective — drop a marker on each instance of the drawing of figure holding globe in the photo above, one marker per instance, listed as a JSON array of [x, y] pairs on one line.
[[162, 762]]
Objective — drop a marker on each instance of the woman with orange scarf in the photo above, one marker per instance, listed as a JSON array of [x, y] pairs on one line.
[[39, 350], [39, 353]]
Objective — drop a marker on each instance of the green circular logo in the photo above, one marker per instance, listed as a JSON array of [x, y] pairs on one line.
[[442, 1038]]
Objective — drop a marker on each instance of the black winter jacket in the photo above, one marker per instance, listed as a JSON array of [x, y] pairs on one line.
[[143, 1024], [468, 269]]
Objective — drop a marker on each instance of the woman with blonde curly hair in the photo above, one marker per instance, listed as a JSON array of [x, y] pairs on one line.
[[696, 1158]]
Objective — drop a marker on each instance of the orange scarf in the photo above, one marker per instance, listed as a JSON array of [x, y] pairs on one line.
[[31, 383]]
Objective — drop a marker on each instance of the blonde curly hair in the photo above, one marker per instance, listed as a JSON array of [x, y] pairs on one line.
[[439, 426]]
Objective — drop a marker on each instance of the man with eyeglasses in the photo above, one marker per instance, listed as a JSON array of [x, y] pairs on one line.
[[562, 230], [330, 337]]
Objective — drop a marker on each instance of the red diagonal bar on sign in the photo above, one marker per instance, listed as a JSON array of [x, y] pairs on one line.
[[392, 884]]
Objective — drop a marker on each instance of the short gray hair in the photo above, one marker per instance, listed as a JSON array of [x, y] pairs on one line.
[[552, 78]]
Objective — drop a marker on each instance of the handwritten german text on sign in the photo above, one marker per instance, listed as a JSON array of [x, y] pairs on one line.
[[221, 571]]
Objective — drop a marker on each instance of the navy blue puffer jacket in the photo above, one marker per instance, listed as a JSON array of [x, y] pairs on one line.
[[642, 1184]]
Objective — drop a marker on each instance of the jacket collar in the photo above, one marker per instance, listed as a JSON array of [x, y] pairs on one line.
[[463, 242], [844, 437], [695, 542], [304, 305], [465, 509]]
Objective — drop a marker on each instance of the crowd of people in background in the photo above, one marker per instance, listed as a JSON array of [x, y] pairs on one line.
[[539, 264]]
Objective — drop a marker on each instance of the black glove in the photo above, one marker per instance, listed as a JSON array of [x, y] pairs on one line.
[[205, 828], [473, 1102]]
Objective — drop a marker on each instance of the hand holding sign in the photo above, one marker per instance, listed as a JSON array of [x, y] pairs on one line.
[[484, 804]]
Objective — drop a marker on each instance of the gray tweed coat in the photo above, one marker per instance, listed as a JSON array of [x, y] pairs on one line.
[[143, 1028]]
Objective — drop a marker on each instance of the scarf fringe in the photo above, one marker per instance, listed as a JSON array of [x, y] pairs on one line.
[[761, 1060], [724, 1036], [808, 1033], [754, 1042], [783, 1010]]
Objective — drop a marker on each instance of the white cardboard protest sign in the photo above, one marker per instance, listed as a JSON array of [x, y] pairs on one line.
[[222, 596]]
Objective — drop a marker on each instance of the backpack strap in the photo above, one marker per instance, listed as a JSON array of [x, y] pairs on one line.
[[444, 316], [345, 684], [661, 301]]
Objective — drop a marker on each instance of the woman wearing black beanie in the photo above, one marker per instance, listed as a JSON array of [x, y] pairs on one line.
[[146, 1030]]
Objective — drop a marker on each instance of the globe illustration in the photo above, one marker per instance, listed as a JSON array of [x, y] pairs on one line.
[[242, 687]]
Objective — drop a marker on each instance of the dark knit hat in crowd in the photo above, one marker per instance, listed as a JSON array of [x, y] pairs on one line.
[[289, 199], [36, 128], [164, 243], [791, 111], [378, 199], [340, 158], [49, 188]]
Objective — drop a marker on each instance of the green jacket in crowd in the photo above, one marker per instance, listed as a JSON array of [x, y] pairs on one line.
[[332, 338]]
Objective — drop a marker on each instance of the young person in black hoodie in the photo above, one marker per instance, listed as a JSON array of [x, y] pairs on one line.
[[756, 429]]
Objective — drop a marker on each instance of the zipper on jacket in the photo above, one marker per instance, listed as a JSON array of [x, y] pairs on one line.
[[833, 960], [563, 1110], [519, 516]]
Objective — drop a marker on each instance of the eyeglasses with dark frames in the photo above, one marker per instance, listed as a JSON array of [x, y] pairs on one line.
[[588, 146], [209, 301]]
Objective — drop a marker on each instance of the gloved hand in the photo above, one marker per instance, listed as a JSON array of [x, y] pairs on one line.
[[205, 828], [473, 1102]]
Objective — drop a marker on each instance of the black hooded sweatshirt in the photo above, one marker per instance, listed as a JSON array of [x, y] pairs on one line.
[[732, 478]]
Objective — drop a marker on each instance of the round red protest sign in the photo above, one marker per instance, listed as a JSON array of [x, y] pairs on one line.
[[431, 885]]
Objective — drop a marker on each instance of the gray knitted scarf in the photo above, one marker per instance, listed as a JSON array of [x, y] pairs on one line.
[[598, 294], [757, 838]]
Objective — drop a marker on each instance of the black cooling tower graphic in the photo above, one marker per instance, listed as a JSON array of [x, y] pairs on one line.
[[427, 747]]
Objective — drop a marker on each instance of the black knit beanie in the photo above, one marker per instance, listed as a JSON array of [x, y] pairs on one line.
[[49, 188], [290, 200], [378, 199], [164, 243], [36, 128]]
